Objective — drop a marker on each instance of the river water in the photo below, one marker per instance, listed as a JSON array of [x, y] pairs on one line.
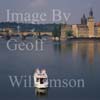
[[76, 59]]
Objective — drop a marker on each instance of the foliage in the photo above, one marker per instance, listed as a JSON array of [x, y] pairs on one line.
[[69, 33], [56, 31]]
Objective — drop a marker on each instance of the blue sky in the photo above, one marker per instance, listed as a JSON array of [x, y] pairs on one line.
[[75, 7]]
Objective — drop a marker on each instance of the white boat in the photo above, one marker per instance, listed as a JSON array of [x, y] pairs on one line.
[[40, 79]]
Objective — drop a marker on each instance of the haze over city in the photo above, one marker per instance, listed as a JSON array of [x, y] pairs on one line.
[[76, 8]]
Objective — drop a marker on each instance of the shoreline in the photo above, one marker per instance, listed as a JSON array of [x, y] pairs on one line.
[[51, 38], [82, 38]]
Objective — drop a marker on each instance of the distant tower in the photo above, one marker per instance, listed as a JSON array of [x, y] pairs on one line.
[[91, 12], [84, 20], [91, 23]]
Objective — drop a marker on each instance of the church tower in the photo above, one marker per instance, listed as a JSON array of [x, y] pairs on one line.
[[91, 23], [84, 20]]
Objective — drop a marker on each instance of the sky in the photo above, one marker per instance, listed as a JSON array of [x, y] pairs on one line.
[[75, 7]]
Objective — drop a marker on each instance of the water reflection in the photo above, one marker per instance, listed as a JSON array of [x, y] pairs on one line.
[[84, 49], [58, 60], [41, 92], [62, 47], [57, 47], [91, 52], [98, 47], [80, 50]]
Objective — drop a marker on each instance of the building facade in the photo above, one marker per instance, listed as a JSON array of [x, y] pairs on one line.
[[87, 28]]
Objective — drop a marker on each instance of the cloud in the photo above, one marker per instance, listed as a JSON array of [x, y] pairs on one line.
[[38, 3]]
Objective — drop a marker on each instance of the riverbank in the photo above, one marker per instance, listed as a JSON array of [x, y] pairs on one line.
[[86, 38]]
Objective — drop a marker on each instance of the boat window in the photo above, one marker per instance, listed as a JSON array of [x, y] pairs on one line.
[[42, 80], [37, 80], [45, 79]]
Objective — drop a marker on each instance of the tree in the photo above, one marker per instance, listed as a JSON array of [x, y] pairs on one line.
[[69, 33], [57, 31], [54, 33]]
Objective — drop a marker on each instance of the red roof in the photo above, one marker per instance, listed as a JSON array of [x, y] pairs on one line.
[[97, 24]]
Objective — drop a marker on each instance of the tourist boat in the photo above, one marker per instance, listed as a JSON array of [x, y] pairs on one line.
[[40, 79]]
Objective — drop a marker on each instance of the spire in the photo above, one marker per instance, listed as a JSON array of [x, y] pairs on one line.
[[91, 13], [84, 16], [84, 20]]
